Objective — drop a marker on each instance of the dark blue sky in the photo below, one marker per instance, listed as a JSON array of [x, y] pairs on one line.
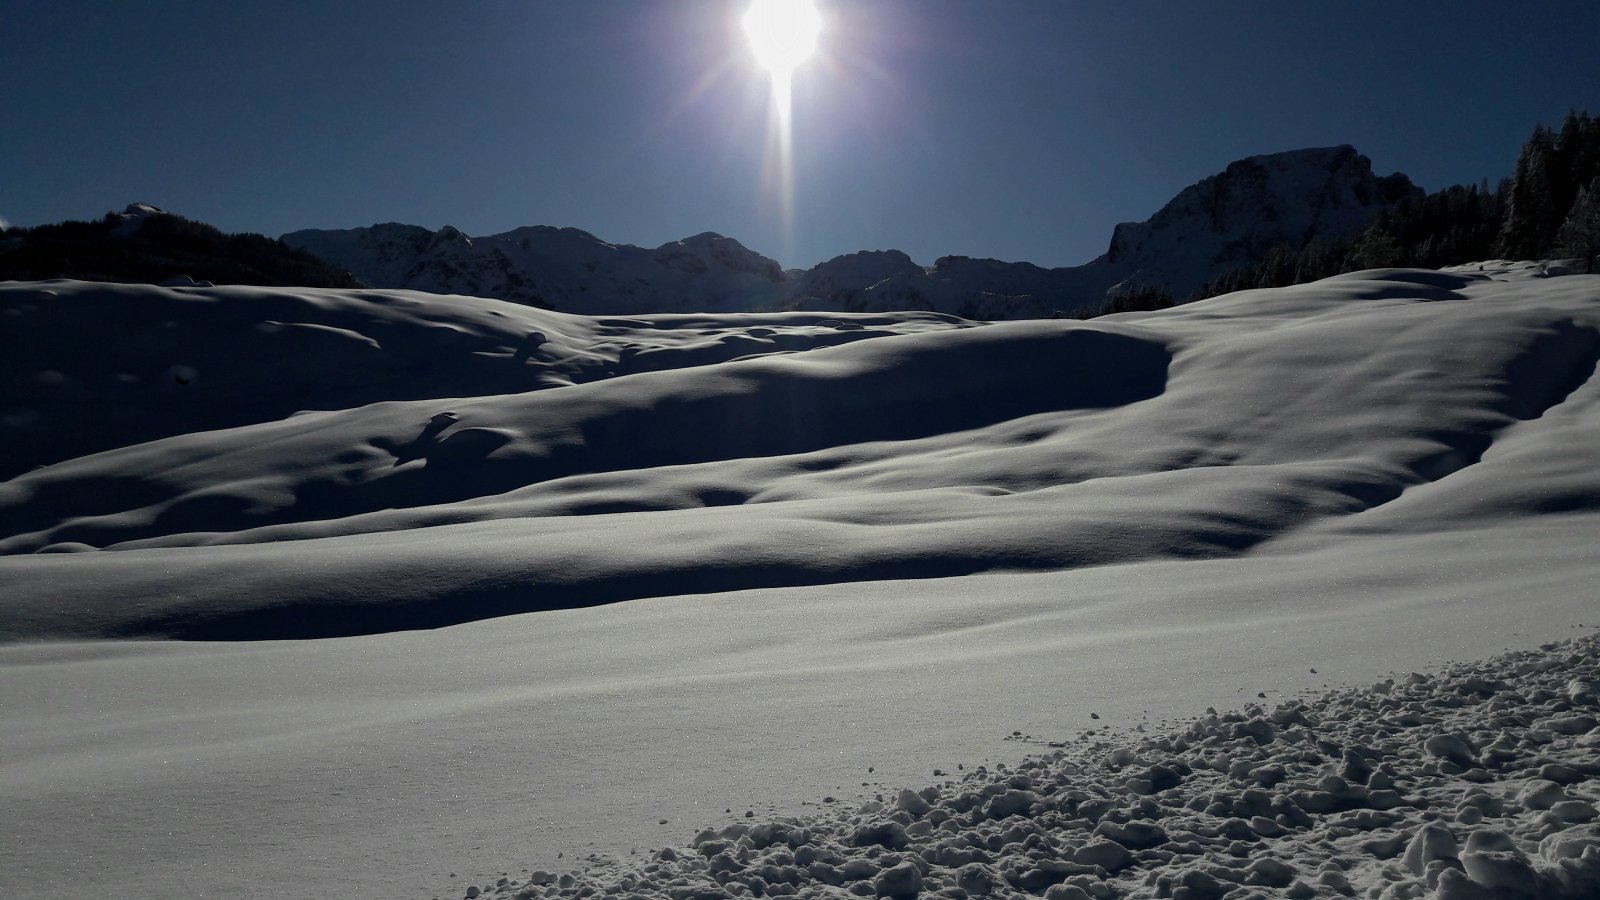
[[1018, 130]]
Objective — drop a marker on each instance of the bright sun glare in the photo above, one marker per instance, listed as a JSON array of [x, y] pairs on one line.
[[782, 33]]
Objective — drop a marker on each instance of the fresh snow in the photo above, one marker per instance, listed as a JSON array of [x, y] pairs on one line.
[[1475, 784], [694, 565]]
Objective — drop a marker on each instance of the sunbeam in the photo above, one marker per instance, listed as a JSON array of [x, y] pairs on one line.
[[782, 35]]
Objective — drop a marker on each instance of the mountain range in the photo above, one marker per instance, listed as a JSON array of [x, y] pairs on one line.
[[1222, 223], [1226, 223]]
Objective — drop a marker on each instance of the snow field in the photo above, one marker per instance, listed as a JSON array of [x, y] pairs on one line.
[[312, 591], [754, 451]]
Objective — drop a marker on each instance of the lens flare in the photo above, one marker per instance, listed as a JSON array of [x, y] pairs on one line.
[[782, 33]]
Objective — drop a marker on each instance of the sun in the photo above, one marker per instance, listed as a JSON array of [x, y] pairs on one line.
[[782, 33]]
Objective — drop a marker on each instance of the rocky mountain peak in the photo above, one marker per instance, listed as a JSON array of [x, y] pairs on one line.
[[1231, 218], [699, 252]]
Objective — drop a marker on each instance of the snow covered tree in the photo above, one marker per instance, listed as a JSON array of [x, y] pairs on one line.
[[1580, 233]]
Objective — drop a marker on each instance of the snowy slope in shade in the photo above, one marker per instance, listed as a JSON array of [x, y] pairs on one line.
[[1152, 513], [169, 361], [1224, 222]]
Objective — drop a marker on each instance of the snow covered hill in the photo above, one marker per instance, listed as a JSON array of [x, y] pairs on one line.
[[681, 566], [1226, 221]]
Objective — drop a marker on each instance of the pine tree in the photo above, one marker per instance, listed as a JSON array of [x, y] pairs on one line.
[[1580, 233], [1565, 150], [1530, 209], [1376, 249], [1586, 153]]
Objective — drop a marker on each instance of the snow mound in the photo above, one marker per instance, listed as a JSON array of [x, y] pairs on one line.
[[123, 359]]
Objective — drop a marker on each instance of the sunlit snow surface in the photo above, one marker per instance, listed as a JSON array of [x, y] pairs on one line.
[[1151, 513]]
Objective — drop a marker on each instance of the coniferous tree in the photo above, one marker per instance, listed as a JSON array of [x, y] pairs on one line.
[[1587, 160], [1530, 209], [1132, 299], [1580, 233], [1575, 158], [1376, 248], [1564, 151], [1551, 168]]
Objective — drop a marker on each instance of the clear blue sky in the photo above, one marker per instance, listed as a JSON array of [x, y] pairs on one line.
[[1018, 130]]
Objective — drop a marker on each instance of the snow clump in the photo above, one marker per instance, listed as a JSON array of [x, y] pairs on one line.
[[1478, 783]]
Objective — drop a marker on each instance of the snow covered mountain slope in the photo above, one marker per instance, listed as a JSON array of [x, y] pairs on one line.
[[555, 268], [1233, 218], [1224, 222], [692, 565]]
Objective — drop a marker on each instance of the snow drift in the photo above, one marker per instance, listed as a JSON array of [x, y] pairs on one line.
[[924, 448]]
